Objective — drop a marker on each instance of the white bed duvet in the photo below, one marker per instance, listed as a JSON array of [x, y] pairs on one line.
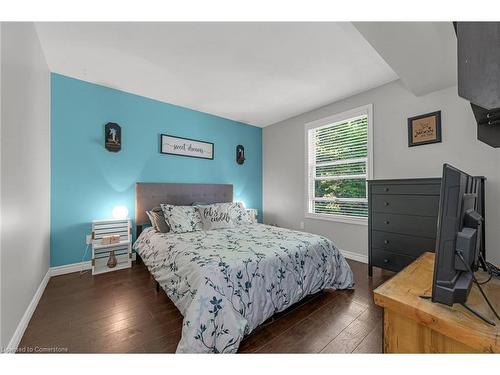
[[226, 282]]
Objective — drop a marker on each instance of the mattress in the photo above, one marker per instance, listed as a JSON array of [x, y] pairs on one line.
[[225, 282]]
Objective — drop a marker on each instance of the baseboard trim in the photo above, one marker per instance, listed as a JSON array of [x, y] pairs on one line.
[[355, 256], [74, 267], [70, 268], [23, 323]]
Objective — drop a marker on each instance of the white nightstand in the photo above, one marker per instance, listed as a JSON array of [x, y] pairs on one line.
[[122, 249]]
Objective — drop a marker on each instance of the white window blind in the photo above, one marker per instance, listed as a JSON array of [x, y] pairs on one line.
[[338, 167]]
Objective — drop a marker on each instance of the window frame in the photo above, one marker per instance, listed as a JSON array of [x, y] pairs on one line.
[[339, 117]]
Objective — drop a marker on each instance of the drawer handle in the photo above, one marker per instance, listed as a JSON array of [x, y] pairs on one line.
[[386, 222], [386, 242], [386, 260], [386, 189], [386, 203]]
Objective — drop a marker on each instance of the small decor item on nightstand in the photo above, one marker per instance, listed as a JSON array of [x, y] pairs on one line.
[[106, 240], [424, 129], [112, 260], [112, 137]]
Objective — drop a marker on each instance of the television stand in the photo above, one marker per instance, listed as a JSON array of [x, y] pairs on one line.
[[417, 325]]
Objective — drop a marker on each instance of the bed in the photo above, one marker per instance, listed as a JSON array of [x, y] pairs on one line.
[[226, 282]]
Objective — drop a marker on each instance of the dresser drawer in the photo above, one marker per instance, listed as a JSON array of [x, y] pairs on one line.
[[390, 261], [401, 244], [419, 226], [422, 205], [417, 189]]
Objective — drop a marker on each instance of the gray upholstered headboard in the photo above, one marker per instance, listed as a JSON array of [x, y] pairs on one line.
[[149, 195]]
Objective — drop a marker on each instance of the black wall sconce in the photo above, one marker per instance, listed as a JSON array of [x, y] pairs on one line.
[[112, 137], [240, 154]]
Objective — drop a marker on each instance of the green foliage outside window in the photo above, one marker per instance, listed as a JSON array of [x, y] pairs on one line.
[[340, 188], [340, 144]]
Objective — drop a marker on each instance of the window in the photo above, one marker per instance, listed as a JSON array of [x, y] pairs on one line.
[[338, 165]]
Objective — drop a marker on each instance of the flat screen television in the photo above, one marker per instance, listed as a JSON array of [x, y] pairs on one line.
[[458, 239]]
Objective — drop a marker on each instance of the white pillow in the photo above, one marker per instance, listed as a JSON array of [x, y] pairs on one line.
[[182, 219], [253, 215], [243, 216]]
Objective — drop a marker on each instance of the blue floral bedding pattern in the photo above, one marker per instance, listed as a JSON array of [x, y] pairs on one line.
[[225, 282]]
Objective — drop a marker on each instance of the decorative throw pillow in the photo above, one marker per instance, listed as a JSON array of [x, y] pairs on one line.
[[182, 219], [159, 219], [217, 216]]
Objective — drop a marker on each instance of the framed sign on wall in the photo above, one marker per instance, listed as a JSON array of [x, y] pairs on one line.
[[186, 147], [424, 129]]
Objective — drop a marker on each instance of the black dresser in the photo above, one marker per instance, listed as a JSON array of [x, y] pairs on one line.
[[402, 221]]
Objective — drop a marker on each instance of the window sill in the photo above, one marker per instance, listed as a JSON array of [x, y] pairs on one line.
[[338, 218]]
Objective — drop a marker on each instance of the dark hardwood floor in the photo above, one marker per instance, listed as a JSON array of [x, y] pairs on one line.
[[120, 312]]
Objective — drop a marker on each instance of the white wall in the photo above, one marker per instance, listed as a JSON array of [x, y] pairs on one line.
[[283, 159], [25, 171]]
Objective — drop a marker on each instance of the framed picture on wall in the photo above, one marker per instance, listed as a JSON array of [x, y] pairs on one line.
[[424, 129], [112, 137], [186, 147]]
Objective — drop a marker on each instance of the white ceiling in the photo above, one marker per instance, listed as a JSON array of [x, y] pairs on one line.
[[257, 73], [423, 54]]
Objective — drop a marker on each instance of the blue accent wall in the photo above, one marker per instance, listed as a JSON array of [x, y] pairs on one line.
[[88, 181]]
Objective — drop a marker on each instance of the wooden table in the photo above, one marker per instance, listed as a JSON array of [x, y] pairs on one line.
[[416, 325]]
